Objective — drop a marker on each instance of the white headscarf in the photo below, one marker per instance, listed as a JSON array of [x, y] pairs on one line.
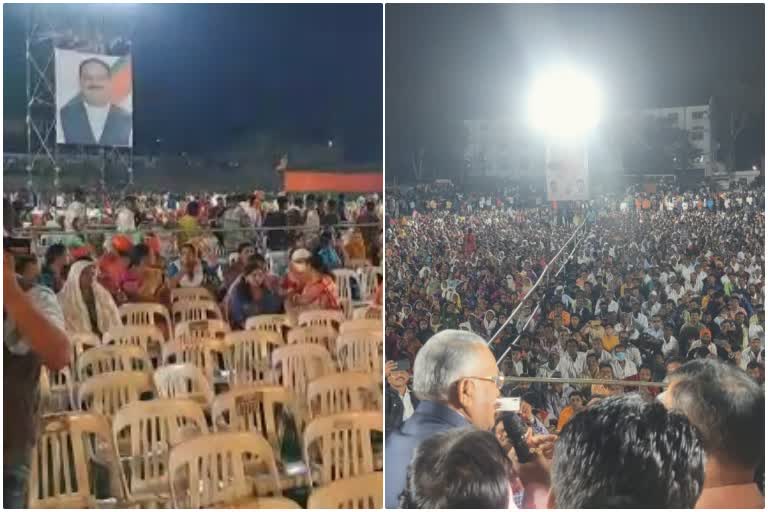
[[76, 314]]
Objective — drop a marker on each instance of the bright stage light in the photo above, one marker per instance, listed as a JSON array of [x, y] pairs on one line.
[[564, 104]]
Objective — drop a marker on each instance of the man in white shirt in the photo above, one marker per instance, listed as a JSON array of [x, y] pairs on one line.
[[126, 220], [556, 398], [669, 344], [75, 210], [603, 356], [626, 327], [656, 329], [674, 292], [633, 353], [572, 364], [652, 305], [622, 366], [638, 318], [90, 118], [550, 367], [756, 329], [613, 306], [753, 353]]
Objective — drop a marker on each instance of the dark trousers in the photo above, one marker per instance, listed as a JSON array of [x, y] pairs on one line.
[[15, 485]]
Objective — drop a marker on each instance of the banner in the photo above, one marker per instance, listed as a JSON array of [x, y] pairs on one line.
[[94, 99], [319, 181], [567, 173]]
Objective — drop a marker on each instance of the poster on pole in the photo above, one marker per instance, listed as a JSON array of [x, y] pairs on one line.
[[94, 99], [567, 172]]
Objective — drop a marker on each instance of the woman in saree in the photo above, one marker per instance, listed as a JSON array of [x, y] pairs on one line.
[[88, 307]]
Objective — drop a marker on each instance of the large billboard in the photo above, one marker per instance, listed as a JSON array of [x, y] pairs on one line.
[[94, 99], [567, 172]]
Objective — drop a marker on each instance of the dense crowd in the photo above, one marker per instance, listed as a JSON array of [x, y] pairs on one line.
[[654, 282]]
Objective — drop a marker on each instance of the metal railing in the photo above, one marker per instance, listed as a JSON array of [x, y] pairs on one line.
[[588, 382], [537, 283]]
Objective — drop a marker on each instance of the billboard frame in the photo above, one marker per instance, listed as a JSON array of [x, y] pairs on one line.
[[83, 28]]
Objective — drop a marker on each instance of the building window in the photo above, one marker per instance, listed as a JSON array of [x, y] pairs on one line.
[[673, 116], [697, 135], [699, 114]]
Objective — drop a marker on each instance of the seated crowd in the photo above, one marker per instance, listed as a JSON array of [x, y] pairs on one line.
[[644, 293], [287, 270]]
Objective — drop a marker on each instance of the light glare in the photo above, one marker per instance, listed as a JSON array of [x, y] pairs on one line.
[[564, 104]]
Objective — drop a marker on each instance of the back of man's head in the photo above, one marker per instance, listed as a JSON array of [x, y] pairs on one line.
[[446, 357], [726, 405], [627, 449], [458, 468]]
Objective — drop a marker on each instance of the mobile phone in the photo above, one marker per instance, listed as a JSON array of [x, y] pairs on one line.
[[17, 245], [511, 404], [403, 365]]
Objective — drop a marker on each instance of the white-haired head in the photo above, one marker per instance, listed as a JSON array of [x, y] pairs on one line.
[[445, 358]]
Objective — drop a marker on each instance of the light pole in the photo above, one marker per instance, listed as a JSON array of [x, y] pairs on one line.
[[564, 105]]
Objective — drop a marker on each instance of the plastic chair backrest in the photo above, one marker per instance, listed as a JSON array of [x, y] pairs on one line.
[[151, 428], [273, 323], [197, 330], [343, 278], [187, 294], [368, 279], [201, 354], [112, 358], [360, 350], [317, 335], [342, 392], [144, 314], [210, 470], [300, 364], [61, 470], [147, 337], [195, 310], [367, 313], [321, 317], [106, 393], [248, 354], [255, 409], [365, 324], [273, 504], [358, 263], [184, 381], [341, 445], [359, 492], [58, 388]]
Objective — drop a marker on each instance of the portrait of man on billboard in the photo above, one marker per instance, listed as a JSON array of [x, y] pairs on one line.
[[91, 118]]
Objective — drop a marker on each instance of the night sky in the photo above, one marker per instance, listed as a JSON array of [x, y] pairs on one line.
[[446, 63], [207, 74]]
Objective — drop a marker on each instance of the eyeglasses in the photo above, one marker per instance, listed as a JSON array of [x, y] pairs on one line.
[[496, 379]]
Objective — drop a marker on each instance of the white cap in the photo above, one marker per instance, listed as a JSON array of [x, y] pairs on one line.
[[300, 254]]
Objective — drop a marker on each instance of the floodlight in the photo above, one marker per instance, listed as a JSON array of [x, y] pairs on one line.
[[564, 103]]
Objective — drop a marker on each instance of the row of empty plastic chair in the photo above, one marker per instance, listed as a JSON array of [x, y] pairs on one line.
[[148, 314], [240, 358], [161, 452]]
